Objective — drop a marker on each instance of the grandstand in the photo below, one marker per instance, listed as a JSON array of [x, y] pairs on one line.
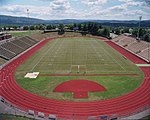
[[14, 46], [137, 47], [145, 53]]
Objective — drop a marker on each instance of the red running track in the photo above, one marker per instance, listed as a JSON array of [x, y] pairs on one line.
[[19, 97]]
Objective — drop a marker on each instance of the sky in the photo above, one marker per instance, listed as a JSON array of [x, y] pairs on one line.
[[77, 9]]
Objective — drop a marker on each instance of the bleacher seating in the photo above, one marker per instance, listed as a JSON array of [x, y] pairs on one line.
[[123, 40], [31, 39], [13, 47], [19, 42], [138, 47], [6, 53], [28, 41], [145, 53], [126, 41], [118, 38]]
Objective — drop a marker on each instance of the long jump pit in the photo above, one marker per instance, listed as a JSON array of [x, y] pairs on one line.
[[32, 75]]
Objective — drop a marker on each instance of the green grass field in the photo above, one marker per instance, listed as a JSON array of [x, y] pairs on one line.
[[78, 56], [13, 117], [22, 33]]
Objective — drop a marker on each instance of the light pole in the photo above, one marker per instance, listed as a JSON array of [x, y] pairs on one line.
[[28, 19], [140, 18]]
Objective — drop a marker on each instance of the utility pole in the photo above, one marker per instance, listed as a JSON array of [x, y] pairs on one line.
[[28, 19], [138, 36]]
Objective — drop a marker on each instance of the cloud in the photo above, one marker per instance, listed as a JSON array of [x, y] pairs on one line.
[[146, 1], [93, 9], [57, 9], [21, 10], [94, 2], [122, 11], [125, 0], [118, 8], [60, 5], [132, 3]]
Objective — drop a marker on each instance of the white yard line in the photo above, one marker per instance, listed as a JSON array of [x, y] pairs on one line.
[[113, 58], [43, 56], [78, 67], [71, 60]]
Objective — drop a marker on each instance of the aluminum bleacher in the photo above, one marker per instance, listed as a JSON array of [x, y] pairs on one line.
[[6, 53], [12, 47], [15, 46], [145, 53], [20, 43], [137, 47], [131, 44]]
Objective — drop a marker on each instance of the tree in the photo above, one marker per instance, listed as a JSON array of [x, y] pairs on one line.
[[135, 32], [61, 32], [53, 27], [142, 32], [41, 27], [61, 26], [4, 28], [49, 27], [25, 27], [125, 30], [0, 28], [117, 31], [95, 28], [79, 26], [32, 27], [147, 38], [106, 32], [61, 29], [37, 27], [70, 26], [130, 31], [74, 25], [84, 27]]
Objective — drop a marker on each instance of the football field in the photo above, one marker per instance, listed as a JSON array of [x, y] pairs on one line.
[[78, 55]]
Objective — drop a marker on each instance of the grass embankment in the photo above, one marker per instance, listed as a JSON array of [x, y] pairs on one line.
[[13, 117], [22, 33]]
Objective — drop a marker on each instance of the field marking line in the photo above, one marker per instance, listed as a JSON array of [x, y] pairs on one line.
[[43, 56], [78, 68], [113, 58]]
